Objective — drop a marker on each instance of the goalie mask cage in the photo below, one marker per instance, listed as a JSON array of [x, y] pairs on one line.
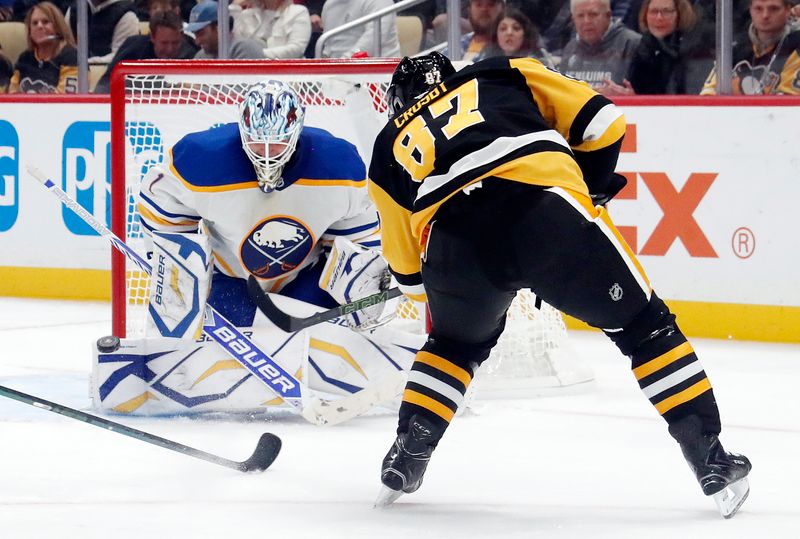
[[155, 103]]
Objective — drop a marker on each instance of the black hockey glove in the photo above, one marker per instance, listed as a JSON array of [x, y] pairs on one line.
[[615, 184]]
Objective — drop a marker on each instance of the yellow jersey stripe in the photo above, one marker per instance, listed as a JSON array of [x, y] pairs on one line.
[[663, 360], [212, 188], [324, 183], [606, 218], [150, 216], [412, 397], [445, 366], [684, 396], [224, 265]]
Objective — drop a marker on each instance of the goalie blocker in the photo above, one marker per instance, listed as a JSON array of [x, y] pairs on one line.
[[179, 285], [353, 272]]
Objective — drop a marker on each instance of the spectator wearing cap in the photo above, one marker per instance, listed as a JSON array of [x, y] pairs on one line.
[[110, 23], [166, 41], [336, 13], [283, 28], [203, 24]]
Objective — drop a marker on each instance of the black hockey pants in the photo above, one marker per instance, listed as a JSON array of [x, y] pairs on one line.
[[504, 236], [486, 245]]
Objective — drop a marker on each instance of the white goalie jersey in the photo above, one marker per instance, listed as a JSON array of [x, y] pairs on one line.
[[271, 237], [206, 208]]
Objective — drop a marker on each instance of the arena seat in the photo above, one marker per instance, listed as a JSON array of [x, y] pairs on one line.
[[13, 39], [409, 34]]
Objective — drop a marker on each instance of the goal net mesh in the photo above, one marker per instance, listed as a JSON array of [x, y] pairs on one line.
[[160, 108]]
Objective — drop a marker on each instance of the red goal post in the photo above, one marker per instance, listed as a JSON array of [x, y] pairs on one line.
[[188, 85]]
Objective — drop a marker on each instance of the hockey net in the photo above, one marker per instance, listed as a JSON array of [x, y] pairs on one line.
[[155, 104]]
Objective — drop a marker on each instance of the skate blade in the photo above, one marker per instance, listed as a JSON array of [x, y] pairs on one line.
[[731, 498], [386, 497]]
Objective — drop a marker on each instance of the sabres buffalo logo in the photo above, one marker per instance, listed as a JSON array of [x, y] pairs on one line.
[[276, 246]]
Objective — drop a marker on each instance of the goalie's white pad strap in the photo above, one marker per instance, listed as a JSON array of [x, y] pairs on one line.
[[179, 284]]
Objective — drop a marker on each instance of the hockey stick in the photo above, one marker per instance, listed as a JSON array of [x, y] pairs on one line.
[[265, 453], [236, 344], [291, 324], [332, 412]]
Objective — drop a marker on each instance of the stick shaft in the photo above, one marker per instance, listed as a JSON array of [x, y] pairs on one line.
[[106, 424], [236, 344], [291, 324]]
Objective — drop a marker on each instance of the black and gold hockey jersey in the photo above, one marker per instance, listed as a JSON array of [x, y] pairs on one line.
[[505, 118], [59, 75], [775, 71]]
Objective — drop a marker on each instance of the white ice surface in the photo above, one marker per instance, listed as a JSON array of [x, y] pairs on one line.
[[597, 464]]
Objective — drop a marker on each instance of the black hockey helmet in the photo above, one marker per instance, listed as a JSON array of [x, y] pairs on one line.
[[414, 76]]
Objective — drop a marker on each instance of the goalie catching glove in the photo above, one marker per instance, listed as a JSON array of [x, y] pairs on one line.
[[353, 272]]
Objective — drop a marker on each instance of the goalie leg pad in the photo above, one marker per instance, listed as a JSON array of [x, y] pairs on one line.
[[341, 361], [158, 375], [161, 375], [179, 284]]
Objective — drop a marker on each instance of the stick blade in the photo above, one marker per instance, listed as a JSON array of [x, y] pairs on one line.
[[332, 412], [37, 174], [267, 450]]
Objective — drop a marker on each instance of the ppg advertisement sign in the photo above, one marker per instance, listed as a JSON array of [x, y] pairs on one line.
[[9, 175], [86, 171]]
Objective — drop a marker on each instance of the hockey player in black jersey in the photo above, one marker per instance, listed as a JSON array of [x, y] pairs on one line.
[[493, 179]]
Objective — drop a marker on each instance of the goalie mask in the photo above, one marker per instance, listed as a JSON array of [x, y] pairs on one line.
[[415, 76], [270, 121]]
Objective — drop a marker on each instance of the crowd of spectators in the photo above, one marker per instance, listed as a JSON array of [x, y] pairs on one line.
[[620, 47]]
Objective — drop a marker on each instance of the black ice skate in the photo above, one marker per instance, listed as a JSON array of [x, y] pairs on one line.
[[404, 465], [721, 475]]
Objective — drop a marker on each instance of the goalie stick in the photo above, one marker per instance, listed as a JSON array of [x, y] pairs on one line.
[[291, 324], [237, 345], [265, 453]]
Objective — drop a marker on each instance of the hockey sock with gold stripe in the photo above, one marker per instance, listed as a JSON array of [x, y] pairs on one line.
[[667, 368], [672, 378], [435, 389]]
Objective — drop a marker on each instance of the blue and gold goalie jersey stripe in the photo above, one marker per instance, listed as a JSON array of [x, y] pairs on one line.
[[507, 118], [210, 179]]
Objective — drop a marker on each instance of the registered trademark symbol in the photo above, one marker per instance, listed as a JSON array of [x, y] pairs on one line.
[[743, 242]]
